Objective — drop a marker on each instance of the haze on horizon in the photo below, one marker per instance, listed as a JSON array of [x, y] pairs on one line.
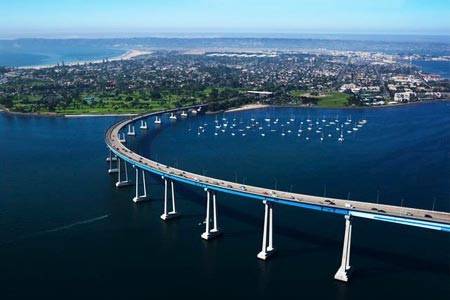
[[47, 18]]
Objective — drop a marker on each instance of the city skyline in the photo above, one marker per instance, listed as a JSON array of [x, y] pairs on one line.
[[82, 18]]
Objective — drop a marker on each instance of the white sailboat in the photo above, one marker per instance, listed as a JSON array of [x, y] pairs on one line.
[[341, 137]]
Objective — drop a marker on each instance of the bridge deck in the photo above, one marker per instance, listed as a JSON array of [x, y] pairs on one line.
[[389, 213]]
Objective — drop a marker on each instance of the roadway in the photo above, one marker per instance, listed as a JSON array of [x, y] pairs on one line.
[[389, 213]]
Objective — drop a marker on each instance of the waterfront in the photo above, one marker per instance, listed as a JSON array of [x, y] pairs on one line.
[[74, 227], [30, 57]]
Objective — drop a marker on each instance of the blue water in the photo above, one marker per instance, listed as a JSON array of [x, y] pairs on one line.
[[441, 68], [66, 231], [401, 153], [26, 53], [39, 51]]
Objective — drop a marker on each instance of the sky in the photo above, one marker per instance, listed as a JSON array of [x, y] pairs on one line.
[[81, 17]]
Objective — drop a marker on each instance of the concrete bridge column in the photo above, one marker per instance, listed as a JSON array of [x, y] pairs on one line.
[[267, 242], [121, 182], [343, 271], [122, 138], [143, 197], [131, 130], [173, 213], [111, 158], [214, 232], [143, 125]]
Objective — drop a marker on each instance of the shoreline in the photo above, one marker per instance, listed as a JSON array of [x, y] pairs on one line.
[[257, 106], [99, 115], [247, 107], [129, 54], [238, 109], [57, 115]]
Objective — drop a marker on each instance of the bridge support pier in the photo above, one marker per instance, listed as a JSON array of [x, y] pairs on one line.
[[143, 125], [214, 232], [122, 138], [120, 182], [131, 130], [343, 271], [110, 159], [267, 242], [173, 213], [143, 197]]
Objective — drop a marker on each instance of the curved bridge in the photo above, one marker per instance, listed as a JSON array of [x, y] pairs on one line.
[[120, 156]]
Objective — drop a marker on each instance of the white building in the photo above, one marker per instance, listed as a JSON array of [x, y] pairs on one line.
[[404, 97]]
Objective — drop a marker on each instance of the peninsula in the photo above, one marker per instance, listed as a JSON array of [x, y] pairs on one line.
[[144, 80]]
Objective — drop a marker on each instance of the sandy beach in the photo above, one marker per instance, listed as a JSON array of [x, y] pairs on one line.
[[126, 56], [247, 107]]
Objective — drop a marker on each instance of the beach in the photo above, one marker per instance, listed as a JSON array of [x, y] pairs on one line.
[[247, 107]]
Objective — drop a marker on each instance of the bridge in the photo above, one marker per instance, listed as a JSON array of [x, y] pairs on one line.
[[120, 157]]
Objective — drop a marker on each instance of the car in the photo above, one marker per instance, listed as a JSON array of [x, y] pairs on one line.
[[428, 216], [409, 214]]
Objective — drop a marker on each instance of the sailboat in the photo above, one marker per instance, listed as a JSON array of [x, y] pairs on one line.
[[341, 137]]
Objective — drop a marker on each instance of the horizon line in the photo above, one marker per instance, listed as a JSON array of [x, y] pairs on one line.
[[194, 35]]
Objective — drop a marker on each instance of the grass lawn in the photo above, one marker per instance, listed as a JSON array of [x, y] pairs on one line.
[[333, 100]]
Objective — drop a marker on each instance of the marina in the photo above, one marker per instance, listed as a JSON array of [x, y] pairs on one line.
[[322, 129]]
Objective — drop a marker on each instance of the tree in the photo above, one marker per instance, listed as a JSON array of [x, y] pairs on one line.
[[156, 94], [213, 95], [7, 101]]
